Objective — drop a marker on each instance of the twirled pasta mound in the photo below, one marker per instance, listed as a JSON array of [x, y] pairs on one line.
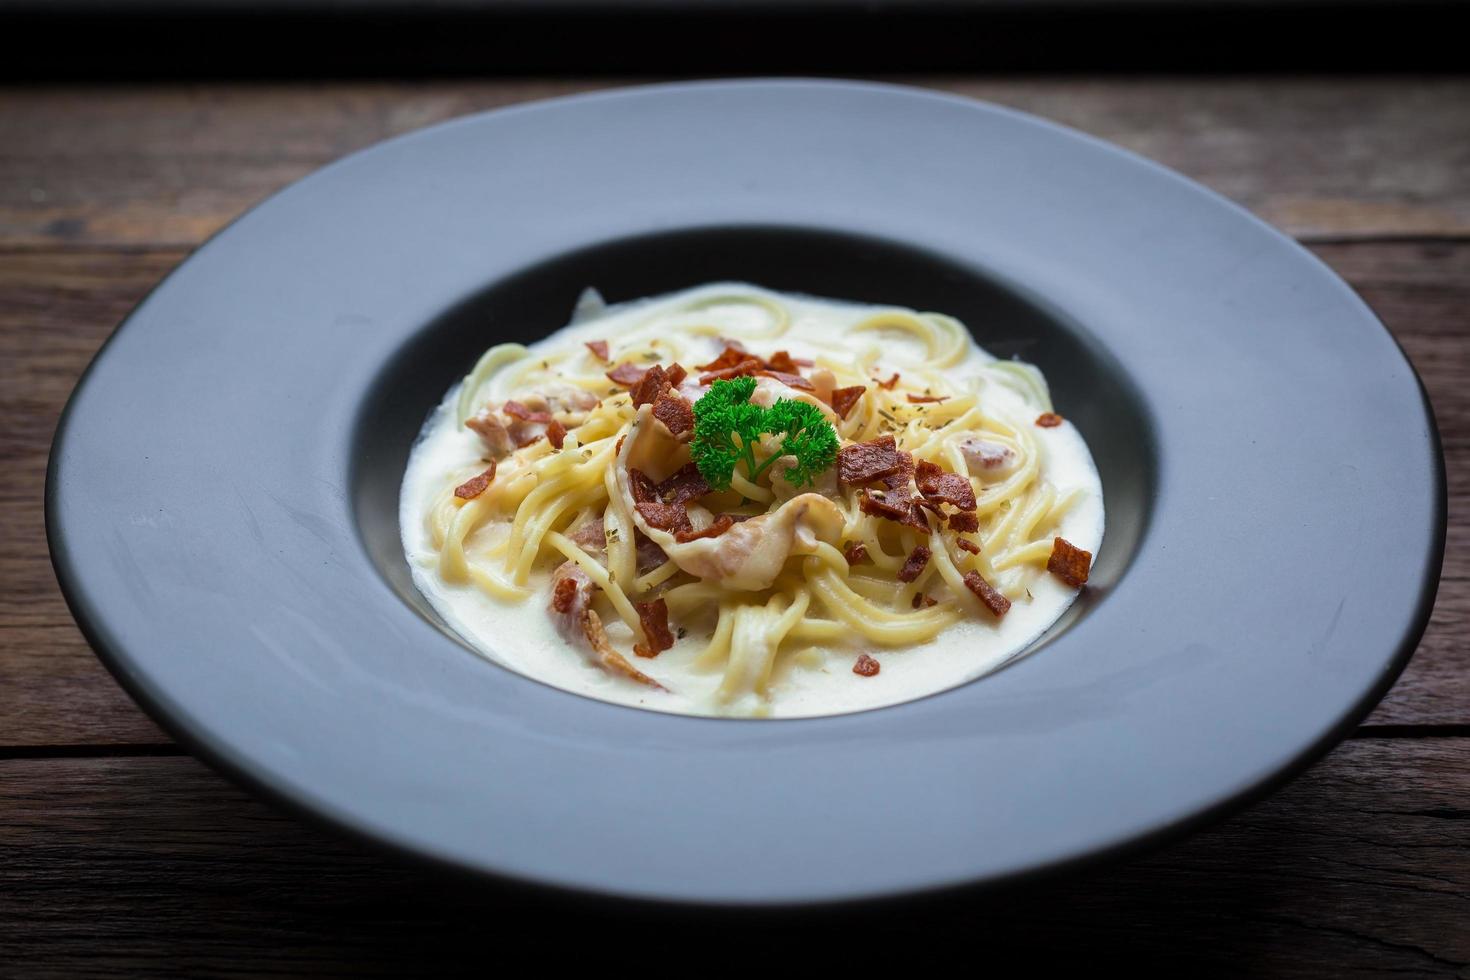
[[735, 501]]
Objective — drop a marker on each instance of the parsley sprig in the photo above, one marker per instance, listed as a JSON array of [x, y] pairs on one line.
[[727, 428]]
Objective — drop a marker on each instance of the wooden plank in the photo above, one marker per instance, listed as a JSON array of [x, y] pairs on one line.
[[1322, 158], [139, 866], [56, 309]]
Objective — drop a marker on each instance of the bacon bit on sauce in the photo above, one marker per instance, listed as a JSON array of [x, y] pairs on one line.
[[475, 485], [1069, 563], [944, 488], [653, 383], [866, 461], [684, 485], [722, 524], [665, 517], [965, 544], [598, 349], [1048, 420], [564, 595], [674, 412], [747, 367], [926, 399], [888, 385], [964, 521], [627, 374], [994, 601], [518, 411], [729, 357], [790, 380], [782, 361], [645, 491], [556, 434], [866, 666], [922, 601], [843, 399], [912, 568], [677, 374], [654, 616], [855, 553]]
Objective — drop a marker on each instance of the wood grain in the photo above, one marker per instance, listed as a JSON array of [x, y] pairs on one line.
[[56, 308], [118, 867], [1322, 158]]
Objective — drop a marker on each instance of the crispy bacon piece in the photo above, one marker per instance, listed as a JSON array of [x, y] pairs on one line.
[[722, 524], [530, 437], [518, 411], [926, 399], [866, 666], [790, 380], [627, 374], [732, 355], [865, 461], [598, 349], [965, 544], [563, 595], [674, 412], [994, 601], [653, 383], [750, 366], [901, 478], [912, 568], [896, 506], [475, 485], [888, 385], [964, 521], [655, 619], [677, 374], [1048, 420], [1068, 562], [666, 517], [556, 433], [684, 485], [645, 491], [922, 601], [784, 362], [843, 399], [855, 553], [940, 487]]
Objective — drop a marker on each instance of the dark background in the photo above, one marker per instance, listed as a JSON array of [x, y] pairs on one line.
[[174, 39]]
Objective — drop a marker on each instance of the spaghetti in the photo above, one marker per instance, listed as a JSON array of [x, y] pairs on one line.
[[604, 515]]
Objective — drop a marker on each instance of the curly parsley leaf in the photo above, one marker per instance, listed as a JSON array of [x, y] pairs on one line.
[[727, 428]]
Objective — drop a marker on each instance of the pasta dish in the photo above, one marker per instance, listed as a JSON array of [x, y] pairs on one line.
[[732, 501]]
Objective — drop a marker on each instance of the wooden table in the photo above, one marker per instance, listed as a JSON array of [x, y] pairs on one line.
[[120, 854]]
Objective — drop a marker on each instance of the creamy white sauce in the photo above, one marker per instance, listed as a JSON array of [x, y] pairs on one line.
[[809, 681]]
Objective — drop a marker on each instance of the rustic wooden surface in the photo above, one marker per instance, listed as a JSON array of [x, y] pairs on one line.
[[119, 854]]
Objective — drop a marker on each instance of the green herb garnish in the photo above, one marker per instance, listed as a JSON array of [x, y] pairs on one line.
[[727, 428]]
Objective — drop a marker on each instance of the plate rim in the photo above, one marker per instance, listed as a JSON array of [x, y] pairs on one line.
[[258, 779]]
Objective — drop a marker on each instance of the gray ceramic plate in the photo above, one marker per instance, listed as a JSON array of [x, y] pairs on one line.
[[222, 495]]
